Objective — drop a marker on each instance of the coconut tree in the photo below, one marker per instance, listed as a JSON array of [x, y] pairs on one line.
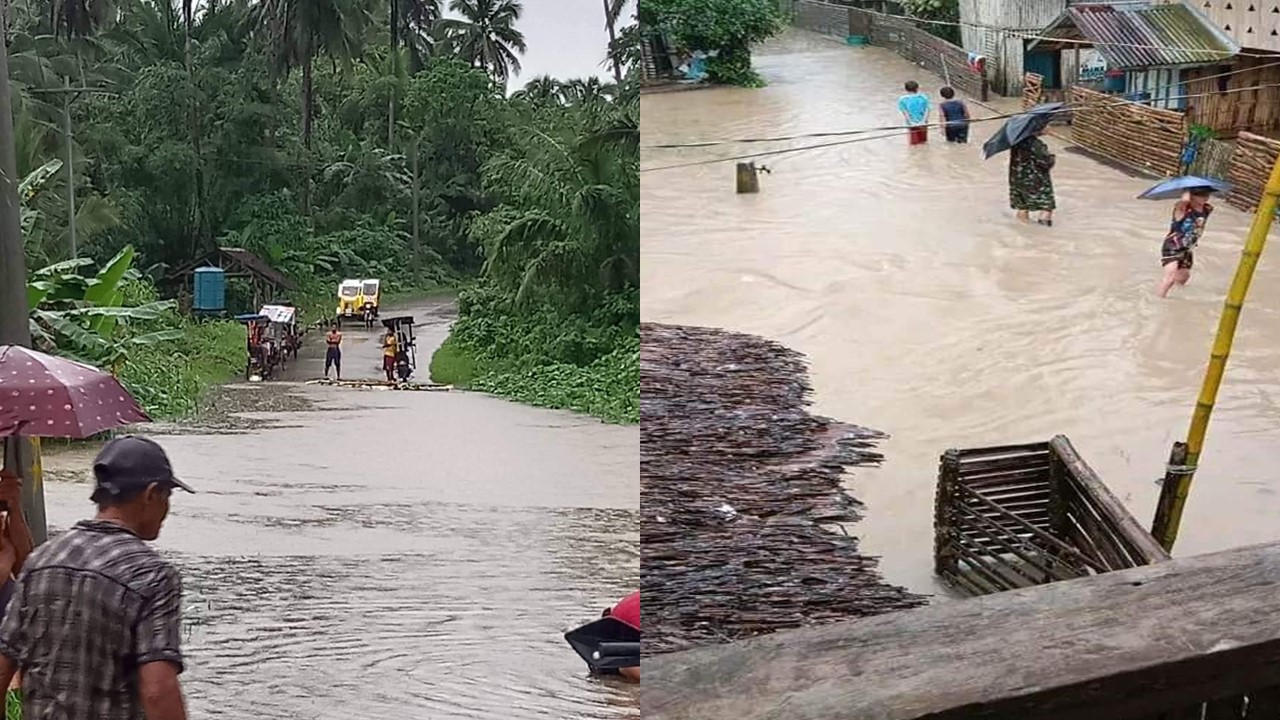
[[486, 35], [571, 216], [414, 24], [300, 31]]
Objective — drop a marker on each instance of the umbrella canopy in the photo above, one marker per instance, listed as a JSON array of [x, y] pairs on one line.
[[1020, 127], [1174, 187], [46, 396]]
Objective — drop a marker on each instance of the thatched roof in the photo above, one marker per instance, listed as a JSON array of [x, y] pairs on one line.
[[739, 484]]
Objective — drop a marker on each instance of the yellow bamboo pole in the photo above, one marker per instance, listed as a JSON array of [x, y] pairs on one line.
[[1182, 461]]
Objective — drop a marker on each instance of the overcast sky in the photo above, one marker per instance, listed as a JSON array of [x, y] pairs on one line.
[[566, 38]]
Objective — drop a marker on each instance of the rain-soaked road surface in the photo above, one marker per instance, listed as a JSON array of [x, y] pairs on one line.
[[394, 554], [930, 313]]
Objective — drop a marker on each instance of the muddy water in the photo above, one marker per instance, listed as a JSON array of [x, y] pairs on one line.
[[384, 554], [930, 313]]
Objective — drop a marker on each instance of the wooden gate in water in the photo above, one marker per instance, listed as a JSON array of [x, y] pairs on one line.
[[1021, 515]]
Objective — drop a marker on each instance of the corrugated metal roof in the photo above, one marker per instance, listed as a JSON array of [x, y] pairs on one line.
[[1131, 36]]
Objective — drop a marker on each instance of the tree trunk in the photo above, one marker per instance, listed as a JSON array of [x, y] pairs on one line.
[[199, 223], [14, 329], [417, 210], [395, 66], [306, 135], [613, 43], [13, 265]]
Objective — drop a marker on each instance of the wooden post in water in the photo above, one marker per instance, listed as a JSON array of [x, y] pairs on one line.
[[1181, 468], [748, 180]]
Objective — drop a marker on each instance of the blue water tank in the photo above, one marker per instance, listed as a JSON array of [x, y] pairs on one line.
[[210, 290]]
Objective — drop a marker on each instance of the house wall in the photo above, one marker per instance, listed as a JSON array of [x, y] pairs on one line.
[[1251, 23], [1164, 86], [1004, 16], [1228, 109]]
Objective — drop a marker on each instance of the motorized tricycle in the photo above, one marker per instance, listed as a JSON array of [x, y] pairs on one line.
[[406, 350]]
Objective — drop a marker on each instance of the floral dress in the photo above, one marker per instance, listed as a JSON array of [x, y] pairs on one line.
[[1030, 186], [1184, 234]]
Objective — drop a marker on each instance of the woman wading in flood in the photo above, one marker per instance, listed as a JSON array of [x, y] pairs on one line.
[[1030, 185]]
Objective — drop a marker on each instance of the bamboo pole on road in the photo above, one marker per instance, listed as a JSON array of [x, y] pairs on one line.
[[1181, 468]]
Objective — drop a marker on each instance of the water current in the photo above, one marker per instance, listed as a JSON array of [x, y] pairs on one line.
[[930, 313], [394, 555]]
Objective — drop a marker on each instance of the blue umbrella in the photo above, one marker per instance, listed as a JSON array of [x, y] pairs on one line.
[[1021, 127], [1174, 187]]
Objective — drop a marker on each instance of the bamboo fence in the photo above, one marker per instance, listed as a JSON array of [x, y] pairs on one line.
[[1032, 90], [1249, 169], [1015, 516], [1143, 137], [741, 497], [931, 53]]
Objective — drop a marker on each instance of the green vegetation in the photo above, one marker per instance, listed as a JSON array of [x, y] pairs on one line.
[[114, 320], [332, 138], [729, 27], [946, 13]]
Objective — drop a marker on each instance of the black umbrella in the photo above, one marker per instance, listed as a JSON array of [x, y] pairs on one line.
[[1020, 127], [606, 644]]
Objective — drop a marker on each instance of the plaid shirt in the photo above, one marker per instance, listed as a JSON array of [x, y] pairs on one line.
[[91, 606]]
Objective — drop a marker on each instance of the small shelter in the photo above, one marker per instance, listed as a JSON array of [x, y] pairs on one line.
[[238, 263], [1149, 51]]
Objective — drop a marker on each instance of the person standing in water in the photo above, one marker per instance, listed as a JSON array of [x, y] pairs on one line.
[[1190, 214], [915, 113], [954, 117], [1030, 185], [390, 347], [333, 351]]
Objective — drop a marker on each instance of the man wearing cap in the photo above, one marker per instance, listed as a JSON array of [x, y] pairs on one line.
[[94, 624]]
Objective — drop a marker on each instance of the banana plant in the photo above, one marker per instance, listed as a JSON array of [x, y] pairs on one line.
[[83, 317], [31, 186]]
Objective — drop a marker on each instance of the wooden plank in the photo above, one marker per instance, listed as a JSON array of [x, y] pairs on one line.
[[1043, 536], [1125, 644], [1022, 552], [1080, 539], [1102, 496]]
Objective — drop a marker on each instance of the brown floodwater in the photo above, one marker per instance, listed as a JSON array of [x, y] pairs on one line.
[[393, 554], [928, 312]]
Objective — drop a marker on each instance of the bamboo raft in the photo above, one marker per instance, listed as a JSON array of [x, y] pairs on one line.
[[741, 495], [381, 385]]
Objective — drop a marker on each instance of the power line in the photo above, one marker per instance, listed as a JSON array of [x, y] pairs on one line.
[[1023, 35], [899, 131], [841, 133]]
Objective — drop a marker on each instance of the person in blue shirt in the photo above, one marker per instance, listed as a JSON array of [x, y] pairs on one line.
[[915, 113], [955, 117]]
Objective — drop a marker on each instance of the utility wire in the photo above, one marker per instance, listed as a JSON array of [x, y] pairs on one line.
[[899, 131], [860, 131]]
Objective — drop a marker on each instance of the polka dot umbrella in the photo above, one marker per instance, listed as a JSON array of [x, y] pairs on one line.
[[51, 397]]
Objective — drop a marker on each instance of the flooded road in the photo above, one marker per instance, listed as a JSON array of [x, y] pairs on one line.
[[928, 312], [394, 554]]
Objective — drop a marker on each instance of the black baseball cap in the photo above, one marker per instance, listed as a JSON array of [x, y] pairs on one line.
[[130, 463]]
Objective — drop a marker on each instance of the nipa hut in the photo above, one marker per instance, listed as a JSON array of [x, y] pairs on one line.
[[742, 505]]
